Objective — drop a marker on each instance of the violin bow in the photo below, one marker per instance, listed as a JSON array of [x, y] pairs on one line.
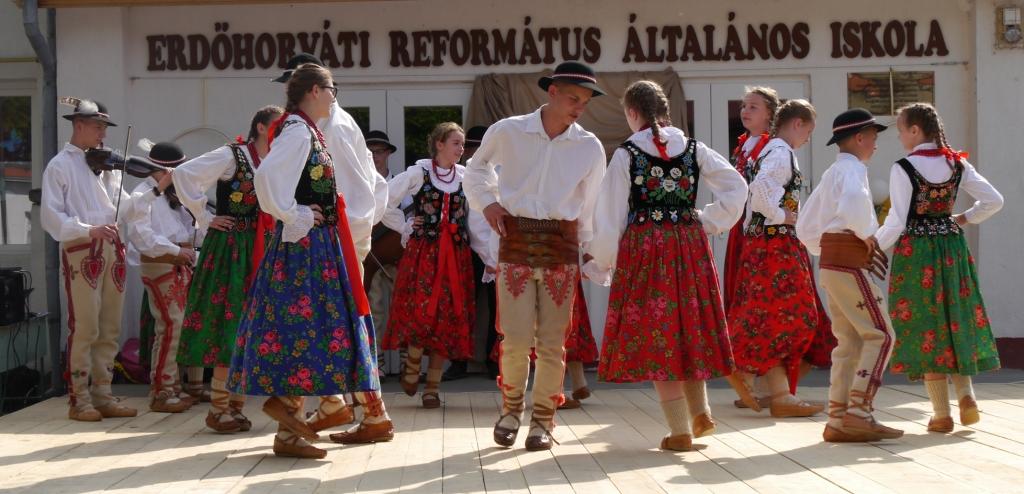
[[124, 167]]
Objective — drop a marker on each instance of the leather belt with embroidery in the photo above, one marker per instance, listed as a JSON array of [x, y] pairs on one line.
[[539, 243], [168, 258], [845, 250]]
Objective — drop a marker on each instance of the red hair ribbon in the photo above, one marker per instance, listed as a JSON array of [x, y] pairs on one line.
[[949, 154], [660, 144]]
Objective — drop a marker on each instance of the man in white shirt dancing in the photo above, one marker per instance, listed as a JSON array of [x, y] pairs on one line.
[[540, 202]]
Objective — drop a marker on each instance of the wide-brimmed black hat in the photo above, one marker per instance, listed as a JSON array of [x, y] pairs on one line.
[[162, 155], [573, 73], [295, 62], [852, 121], [87, 109], [379, 137], [475, 135]]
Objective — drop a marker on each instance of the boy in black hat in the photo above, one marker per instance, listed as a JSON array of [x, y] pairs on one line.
[[838, 223], [540, 202], [79, 209], [161, 243]]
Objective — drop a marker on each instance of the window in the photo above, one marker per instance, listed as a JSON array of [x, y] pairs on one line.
[[361, 114], [15, 169], [419, 122]]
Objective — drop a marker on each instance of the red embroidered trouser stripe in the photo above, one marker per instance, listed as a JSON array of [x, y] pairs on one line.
[[167, 286], [94, 286], [861, 323], [534, 307]]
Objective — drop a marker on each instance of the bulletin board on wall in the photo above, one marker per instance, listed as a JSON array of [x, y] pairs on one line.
[[882, 93]]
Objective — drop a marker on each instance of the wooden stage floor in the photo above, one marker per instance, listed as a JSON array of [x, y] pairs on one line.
[[610, 445]]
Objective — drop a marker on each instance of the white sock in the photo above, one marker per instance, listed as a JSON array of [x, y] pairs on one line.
[[576, 374], [778, 383], [696, 393], [963, 386], [938, 392], [677, 415]]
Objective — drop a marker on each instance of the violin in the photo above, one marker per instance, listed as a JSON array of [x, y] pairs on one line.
[[104, 159]]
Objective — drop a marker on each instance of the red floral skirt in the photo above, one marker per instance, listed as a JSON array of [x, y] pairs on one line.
[[777, 313], [579, 344], [449, 333], [665, 318], [820, 352], [733, 249]]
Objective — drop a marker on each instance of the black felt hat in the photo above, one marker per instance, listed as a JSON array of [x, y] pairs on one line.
[[852, 121], [573, 73], [379, 137], [295, 62], [475, 136], [87, 109], [162, 155]]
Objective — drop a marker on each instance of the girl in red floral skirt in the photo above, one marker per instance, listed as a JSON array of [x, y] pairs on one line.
[[666, 322], [433, 308], [776, 314]]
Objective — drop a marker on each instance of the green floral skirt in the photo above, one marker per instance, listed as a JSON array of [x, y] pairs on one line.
[[216, 299], [936, 308]]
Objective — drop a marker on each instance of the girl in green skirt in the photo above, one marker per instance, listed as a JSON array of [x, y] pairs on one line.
[[942, 329], [225, 266]]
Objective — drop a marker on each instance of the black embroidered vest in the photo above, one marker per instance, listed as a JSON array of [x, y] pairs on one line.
[[790, 201], [931, 209], [236, 197], [428, 203], [316, 184], [662, 190]]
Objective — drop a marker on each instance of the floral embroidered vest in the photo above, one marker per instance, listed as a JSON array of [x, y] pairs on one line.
[[790, 201], [931, 209], [236, 197], [662, 190], [316, 184], [428, 203]]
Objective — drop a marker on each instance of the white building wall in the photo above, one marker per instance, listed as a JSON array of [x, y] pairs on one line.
[[975, 86]]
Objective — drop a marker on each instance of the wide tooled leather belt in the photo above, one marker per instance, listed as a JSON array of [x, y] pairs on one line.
[[539, 243]]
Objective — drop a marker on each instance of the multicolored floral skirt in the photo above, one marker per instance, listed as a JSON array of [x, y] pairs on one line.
[[733, 250], [448, 333], [216, 299], [777, 313], [820, 352], [300, 333], [937, 311], [665, 318], [579, 344]]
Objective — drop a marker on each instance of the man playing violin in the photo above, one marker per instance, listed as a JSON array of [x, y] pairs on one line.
[[79, 209]]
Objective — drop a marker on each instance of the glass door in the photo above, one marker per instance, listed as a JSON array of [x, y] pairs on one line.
[[413, 113]]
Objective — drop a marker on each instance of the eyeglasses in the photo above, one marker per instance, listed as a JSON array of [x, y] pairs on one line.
[[332, 89]]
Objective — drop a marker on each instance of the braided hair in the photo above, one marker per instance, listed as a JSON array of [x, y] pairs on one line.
[[791, 110], [648, 99], [926, 118], [264, 116], [770, 97]]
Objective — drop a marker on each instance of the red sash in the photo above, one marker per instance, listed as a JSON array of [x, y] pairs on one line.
[[447, 265]]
